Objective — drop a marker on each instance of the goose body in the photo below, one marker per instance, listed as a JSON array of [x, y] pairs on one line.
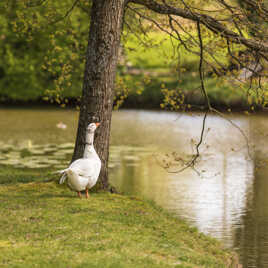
[[83, 173]]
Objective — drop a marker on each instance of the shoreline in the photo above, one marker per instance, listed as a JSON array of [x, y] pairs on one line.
[[130, 105], [114, 229]]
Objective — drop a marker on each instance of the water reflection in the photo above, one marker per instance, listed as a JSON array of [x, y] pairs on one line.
[[219, 202], [28, 155], [226, 196], [251, 235], [213, 202]]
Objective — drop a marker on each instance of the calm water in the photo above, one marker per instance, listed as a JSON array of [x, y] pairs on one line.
[[226, 195]]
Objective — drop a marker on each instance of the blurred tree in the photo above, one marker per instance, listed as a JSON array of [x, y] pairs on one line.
[[42, 49]]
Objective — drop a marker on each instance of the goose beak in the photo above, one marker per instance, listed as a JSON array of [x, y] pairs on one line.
[[97, 124]]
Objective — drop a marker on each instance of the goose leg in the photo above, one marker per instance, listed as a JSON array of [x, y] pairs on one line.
[[87, 195], [79, 194]]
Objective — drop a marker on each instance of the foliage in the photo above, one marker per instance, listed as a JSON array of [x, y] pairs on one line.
[[223, 45], [44, 45], [43, 53], [158, 68], [257, 24]]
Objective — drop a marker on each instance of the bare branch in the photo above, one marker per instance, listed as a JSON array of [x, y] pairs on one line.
[[210, 22], [67, 13], [201, 74], [36, 3]]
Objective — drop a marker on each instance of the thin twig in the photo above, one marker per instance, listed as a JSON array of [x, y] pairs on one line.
[[236, 126], [192, 162], [67, 13], [201, 74]]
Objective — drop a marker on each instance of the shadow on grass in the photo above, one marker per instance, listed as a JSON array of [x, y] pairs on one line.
[[51, 195], [40, 196]]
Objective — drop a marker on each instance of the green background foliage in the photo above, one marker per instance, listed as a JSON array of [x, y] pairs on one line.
[[43, 46], [42, 49]]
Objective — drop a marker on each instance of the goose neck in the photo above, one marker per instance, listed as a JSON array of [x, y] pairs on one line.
[[89, 138], [89, 147]]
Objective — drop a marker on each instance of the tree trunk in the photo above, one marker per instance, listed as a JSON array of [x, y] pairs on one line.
[[97, 96]]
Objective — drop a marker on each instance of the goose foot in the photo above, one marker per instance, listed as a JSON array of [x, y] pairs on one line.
[[87, 195], [79, 195]]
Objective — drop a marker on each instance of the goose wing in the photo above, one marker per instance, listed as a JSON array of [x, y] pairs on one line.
[[85, 167]]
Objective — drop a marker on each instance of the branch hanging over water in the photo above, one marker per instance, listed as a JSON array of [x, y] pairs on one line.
[[208, 21], [192, 162]]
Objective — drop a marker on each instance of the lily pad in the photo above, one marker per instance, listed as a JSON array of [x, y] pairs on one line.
[[66, 145], [10, 162], [25, 153]]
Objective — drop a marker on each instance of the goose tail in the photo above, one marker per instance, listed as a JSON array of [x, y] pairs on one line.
[[63, 178], [64, 175], [61, 171]]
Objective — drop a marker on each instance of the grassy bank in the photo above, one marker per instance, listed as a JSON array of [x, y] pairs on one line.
[[46, 225]]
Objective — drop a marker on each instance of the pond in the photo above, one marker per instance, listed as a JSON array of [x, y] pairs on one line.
[[225, 195]]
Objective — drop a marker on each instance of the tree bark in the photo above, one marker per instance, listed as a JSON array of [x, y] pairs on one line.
[[97, 95]]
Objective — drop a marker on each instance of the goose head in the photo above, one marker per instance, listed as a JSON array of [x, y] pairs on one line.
[[92, 127]]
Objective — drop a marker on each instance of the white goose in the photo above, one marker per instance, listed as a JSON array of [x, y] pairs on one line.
[[83, 173]]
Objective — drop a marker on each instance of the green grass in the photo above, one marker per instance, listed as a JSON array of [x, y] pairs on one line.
[[46, 225], [157, 51], [10, 175], [153, 51]]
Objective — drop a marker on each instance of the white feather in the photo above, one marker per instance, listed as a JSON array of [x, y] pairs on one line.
[[83, 173]]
